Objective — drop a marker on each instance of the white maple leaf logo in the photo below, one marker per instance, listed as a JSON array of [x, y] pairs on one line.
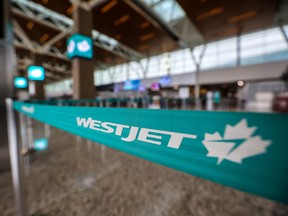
[[237, 144], [83, 46], [71, 46]]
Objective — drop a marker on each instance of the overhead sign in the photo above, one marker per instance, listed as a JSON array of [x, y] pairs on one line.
[[239, 150], [36, 73], [79, 46], [165, 80], [20, 82], [132, 85]]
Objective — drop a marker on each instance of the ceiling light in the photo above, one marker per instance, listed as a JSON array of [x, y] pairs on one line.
[[242, 17], [240, 83], [144, 47], [44, 37], [147, 36], [70, 10], [144, 25], [210, 13], [122, 20], [108, 6], [118, 37], [30, 25]]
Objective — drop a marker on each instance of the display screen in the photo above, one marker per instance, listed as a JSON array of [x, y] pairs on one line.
[[36, 73], [155, 86], [118, 87], [142, 88], [20, 82], [132, 85], [79, 46], [165, 80]]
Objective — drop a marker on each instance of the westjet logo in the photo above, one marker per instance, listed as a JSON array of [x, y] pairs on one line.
[[238, 142], [28, 109], [146, 135]]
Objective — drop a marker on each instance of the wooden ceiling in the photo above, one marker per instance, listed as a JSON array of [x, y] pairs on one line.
[[34, 30], [42, 34], [124, 22], [218, 19], [120, 20], [63, 7]]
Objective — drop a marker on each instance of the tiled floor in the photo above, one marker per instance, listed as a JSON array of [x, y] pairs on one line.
[[72, 178]]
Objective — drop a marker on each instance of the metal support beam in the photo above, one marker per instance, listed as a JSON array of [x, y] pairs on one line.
[[197, 84], [63, 24], [31, 8], [33, 17], [141, 8], [106, 43], [175, 28], [238, 63], [54, 72], [22, 35], [145, 68], [53, 40], [284, 33]]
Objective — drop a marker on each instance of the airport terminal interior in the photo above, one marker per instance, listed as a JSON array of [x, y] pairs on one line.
[[178, 107]]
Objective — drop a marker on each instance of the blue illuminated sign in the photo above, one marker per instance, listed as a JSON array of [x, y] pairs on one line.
[[20, 82], [165, 80], [36, 73], [79, 46], [40, 144], [132, 85]]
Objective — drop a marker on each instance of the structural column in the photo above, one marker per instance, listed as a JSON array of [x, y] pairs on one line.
[[197, 84], [7, 73], [38, 86], [83, 69], [238, 51], [197, 87]]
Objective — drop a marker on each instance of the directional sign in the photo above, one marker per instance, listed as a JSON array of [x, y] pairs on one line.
[[20, 82], [36, 73], [79, 46]]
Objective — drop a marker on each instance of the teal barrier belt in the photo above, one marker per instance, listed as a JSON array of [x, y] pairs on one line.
[[247, 151]]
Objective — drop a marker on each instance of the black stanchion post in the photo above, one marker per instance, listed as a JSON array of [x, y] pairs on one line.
[[16, 163]]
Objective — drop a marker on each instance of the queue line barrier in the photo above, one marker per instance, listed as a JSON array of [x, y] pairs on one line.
[[245, 151], [142, 102], [110, 100]]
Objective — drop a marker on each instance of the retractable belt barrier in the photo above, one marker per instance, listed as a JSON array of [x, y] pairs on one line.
[[246, 151]]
